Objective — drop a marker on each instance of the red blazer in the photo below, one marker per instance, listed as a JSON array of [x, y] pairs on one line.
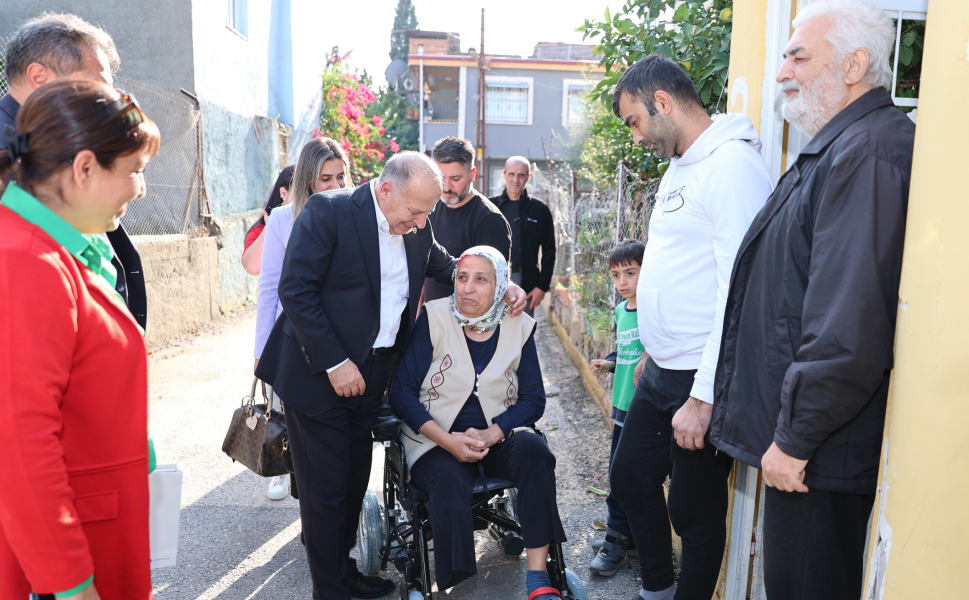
[[73, 426]]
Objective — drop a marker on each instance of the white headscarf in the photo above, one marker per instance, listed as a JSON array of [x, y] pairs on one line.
[[493, 316]]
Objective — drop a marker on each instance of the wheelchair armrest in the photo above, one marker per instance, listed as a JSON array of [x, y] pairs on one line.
[[386, 425]]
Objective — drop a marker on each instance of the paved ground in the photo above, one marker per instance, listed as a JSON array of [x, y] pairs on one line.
[[237, 544]]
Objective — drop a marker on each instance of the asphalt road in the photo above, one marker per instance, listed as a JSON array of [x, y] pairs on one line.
[[235, 543]]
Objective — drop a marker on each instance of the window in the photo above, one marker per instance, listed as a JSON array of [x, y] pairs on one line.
[[574, 112], [497, 181], [238, 17], [907, 58], [508, 100]]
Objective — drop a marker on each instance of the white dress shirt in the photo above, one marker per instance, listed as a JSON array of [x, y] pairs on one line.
[[394, 280]]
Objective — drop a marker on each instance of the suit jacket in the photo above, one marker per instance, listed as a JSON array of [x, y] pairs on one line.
[[74, 399], [127, 261], [330, 292]]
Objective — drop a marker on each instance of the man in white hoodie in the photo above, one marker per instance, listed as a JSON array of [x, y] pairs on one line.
[[715, 184]]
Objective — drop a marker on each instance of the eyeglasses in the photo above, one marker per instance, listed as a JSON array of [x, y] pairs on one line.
[[127, 109]]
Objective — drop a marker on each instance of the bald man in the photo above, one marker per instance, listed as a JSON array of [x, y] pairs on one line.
[[531, 229]]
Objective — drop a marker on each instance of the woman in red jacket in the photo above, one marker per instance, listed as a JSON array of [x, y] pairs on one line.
[[73, 368]]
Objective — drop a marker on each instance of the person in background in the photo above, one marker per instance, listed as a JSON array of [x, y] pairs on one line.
[[716, 183], [322, 166], [58, 46], [532, 230], [804, 374], [464, 218], [252, 251], [74, 506], [624, 264]]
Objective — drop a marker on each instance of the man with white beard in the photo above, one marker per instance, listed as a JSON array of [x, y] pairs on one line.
[[802, 381]]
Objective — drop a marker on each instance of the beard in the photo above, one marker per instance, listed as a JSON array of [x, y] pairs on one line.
[[663, 136], [811, 108], [458, 196]]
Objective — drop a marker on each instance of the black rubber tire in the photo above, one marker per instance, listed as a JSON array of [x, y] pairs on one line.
[[370, 534]]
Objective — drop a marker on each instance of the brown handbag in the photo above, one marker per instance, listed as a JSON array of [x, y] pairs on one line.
[[257, 436]]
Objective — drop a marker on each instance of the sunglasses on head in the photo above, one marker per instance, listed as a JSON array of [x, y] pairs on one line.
[[126, 109]]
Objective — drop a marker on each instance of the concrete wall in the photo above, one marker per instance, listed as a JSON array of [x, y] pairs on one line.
[[236, 287], [435, 131], [192, 281], [154, 39], [183, 284], [241, 158]]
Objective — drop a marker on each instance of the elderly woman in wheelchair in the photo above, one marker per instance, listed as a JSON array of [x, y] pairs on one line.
[[468, 388]]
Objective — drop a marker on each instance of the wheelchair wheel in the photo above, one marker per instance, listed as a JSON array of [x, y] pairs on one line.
[[370, 534], [575, 585]]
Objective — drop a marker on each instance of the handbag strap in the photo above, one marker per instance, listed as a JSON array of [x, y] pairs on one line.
[[268, 397]]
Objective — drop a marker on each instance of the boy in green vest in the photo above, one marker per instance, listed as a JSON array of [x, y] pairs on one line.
[[624, 264]]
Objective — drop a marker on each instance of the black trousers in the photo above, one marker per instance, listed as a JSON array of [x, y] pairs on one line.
[[616, 517], [814, 544], [525, 459], [331, 459], [697, 506]]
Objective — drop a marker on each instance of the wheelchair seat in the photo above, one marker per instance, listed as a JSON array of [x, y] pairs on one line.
[[479, 485]]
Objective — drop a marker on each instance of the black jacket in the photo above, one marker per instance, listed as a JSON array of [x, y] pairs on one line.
[[127, 261], [537, 231], [329, 288], [809, 323]]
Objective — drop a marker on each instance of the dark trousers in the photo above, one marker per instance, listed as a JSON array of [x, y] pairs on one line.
[[331, 458], [616, 518], [525, 459], [814, 544], [697, 506]]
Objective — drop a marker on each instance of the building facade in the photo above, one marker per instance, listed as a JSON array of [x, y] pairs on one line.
[[532, 105]]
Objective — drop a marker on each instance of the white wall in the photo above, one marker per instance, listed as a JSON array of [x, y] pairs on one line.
[[231, 71]]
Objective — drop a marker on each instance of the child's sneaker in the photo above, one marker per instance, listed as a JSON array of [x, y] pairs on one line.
[[612, 555], [630, 546]]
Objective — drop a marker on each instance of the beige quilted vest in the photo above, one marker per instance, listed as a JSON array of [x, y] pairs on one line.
[[451, 378]]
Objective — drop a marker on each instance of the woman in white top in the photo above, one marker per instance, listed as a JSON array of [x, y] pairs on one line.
[[322, 165]]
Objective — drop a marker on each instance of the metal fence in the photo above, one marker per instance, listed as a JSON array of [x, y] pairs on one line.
[[588, 225], [3, 68], [176, 200]]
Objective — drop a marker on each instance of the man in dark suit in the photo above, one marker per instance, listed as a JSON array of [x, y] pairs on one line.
[[349, 287], [57, 46]]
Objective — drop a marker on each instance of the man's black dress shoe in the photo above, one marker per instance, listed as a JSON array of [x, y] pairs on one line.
[[368, 586]]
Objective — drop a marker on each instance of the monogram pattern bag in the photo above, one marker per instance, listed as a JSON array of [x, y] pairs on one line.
[[257, 436]]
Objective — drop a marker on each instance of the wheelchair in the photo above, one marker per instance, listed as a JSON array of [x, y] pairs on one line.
[[399, 531]]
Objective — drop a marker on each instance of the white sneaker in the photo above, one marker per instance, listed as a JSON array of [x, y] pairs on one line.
[[278, 487]]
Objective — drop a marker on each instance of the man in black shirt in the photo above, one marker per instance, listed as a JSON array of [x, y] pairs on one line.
[[55, 46], [464, 218], [531, 228]]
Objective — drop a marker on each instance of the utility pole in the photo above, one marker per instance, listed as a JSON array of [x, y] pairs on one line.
[[482, 89], [420, 121]]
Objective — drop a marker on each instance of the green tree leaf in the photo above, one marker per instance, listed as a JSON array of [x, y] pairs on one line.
[[626, 26], [905, 55], [682, 13]]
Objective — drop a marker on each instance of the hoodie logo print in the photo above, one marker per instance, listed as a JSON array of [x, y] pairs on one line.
[[676, 198]]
